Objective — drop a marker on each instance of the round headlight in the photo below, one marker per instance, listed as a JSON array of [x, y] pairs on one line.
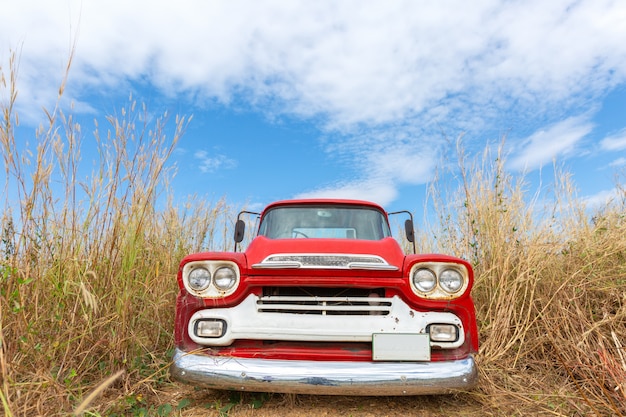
[[224, 278], [451, 280], [199, 279], [424, 279]]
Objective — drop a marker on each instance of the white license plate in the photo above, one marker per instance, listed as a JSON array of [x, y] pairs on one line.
[[400, 347]]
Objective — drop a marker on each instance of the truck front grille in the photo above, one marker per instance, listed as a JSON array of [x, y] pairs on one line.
[[354, 303]]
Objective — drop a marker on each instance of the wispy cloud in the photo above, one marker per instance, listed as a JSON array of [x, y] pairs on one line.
[[384, 159], [619, 162], [547, 144], [602, 198], [209, 163], [372, 190], [614, 142]]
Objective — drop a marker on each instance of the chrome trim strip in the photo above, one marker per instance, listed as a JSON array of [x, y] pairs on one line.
[[324, 377], [351, 265], [305, 260], [373, 267], [277, 265], [320, 299]]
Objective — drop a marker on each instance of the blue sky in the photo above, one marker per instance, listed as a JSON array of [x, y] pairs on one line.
[[356, 99]]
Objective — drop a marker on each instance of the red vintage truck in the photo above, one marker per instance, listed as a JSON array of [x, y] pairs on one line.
[[325, 301]]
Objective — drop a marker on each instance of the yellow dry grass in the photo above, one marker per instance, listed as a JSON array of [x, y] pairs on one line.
[[550, 286]]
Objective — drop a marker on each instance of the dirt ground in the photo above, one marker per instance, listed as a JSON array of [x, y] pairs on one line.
[[205, 402]]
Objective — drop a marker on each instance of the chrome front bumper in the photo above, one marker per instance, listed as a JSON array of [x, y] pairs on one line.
[[324, 378]]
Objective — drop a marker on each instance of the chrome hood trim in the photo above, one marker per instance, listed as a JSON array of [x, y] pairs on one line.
[[324, 261]]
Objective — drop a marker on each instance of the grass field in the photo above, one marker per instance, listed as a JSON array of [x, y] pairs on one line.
[[87, 271]]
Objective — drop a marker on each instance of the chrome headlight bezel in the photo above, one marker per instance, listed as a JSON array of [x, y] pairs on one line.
[[424, 279], [199, 278], [224, 278], [215, 288], [452, 280]]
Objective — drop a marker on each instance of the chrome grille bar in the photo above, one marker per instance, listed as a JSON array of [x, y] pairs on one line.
[[323, 305]]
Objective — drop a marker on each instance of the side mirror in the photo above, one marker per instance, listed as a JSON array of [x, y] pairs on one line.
[[410, 232], [240, 230], [240, 226]]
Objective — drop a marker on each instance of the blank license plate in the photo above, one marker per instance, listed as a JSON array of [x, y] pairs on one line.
[[400, 347]]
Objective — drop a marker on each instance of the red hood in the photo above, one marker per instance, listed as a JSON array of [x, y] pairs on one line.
[[388, 248]]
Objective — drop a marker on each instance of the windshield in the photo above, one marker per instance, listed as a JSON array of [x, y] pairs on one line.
[[338, 222]]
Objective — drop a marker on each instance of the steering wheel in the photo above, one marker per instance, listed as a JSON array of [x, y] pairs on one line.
[[297, 232]]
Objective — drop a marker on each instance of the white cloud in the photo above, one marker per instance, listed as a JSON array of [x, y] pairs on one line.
[[618, 162], [547, 144], [601, 199], [380, 192], [352, 62], [614, 142], [210, 163], [383, 160], [404, 164], [402, 67]]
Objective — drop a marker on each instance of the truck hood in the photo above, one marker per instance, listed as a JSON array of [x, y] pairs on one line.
[[384, 254]]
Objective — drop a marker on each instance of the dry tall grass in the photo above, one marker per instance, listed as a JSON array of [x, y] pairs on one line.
[[87, 266], [550, 288], [87, 271]]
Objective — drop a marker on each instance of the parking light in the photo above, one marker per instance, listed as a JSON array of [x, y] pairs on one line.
[[210, 328], [443, 332]]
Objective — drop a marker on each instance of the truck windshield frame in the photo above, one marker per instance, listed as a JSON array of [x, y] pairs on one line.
[[324, 222]]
